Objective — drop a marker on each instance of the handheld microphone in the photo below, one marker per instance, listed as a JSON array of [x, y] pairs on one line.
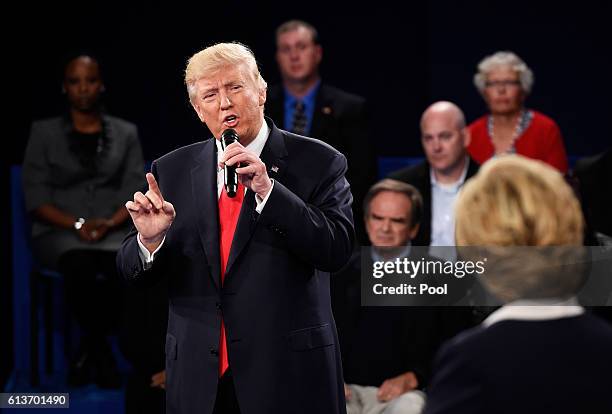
[[230, 177]]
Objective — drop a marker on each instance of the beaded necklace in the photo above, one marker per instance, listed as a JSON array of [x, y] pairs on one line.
[[522, 124]]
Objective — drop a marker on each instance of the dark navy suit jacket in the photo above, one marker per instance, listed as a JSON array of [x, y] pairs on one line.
[[553, 366], [275, 302], [341, 120]]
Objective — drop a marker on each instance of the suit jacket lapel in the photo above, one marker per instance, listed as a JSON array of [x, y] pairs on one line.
[[472, 168], [425, 180], [275, 104], [272, 155], [318, 127], [204, 189], [274, 152]]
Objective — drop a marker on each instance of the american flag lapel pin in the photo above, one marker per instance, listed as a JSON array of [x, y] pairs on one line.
[[274, 168]]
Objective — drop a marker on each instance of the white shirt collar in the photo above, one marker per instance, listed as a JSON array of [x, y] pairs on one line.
[[255, 146], [535, 310], [377, 257], [453, 187]]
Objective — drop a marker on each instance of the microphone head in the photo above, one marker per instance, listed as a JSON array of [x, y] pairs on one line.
[[229, 136]]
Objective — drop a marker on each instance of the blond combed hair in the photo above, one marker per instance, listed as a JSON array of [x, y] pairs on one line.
[[515, 201], [218, 57], [525, 218]]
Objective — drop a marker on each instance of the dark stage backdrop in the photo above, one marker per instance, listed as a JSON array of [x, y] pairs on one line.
[[400, 59]]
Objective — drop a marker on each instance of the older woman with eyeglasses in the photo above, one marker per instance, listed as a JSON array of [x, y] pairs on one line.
[[504, 81]]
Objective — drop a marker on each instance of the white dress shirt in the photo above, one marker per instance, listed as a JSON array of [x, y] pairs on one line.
[[256, 146]]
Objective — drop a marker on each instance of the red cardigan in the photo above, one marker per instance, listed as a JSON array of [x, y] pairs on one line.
[[541, 140]]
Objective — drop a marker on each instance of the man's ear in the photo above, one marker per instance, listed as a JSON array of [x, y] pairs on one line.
[[467, 137], [319, 53], [263, 93], [414, 231]]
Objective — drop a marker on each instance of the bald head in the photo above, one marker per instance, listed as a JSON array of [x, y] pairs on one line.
[[445, 139], [444, 109]]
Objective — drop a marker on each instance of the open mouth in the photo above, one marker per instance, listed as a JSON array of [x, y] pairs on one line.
[[230, 121]]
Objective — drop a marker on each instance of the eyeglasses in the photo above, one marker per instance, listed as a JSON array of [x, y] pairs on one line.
[[500, 83]]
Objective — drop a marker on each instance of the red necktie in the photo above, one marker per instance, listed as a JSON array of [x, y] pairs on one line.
[[229, 210]]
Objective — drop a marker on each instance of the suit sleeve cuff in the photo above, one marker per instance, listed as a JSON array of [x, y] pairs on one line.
[[147, 257], [262, 203]]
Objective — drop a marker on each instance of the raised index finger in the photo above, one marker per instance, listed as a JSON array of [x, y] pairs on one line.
[[153, 186]]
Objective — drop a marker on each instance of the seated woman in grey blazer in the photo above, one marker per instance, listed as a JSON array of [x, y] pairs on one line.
[[78, 170]]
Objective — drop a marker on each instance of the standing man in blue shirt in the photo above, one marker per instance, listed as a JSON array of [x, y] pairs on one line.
[[305, 105]]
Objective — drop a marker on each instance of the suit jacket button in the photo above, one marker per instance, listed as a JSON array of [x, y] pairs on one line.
[[214, 352]]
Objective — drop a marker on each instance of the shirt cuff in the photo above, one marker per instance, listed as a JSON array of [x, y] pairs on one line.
[[262, 203], [147, 257]]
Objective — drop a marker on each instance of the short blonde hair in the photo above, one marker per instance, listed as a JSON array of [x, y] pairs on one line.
[[504, 59], [516, 201], [217, 57], [291, 25]]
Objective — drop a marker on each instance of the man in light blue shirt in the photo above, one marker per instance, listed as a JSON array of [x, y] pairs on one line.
[[445, 139]]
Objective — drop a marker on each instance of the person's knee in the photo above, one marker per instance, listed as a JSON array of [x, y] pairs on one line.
[[411, 402]]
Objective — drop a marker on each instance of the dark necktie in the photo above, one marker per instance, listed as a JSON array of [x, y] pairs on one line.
[[229, 210], [298, 125]]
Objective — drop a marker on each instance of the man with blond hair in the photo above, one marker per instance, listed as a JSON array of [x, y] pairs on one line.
[[250, 325]]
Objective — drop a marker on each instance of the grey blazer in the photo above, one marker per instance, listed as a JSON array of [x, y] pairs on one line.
[[52, 174]]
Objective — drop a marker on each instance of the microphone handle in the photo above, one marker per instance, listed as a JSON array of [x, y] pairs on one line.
[[230, 177], [231, 180]]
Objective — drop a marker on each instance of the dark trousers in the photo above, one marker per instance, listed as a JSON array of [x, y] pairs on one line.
[[141, 398], [226, 402], [92, 289], [92, 292]]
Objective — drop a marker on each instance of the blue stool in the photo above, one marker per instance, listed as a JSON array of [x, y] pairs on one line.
[[33, 286]]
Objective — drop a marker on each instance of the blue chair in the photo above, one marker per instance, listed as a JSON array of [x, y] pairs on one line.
[[31, 283], [390, 164]]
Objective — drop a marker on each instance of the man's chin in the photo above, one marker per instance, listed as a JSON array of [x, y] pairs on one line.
[[298, 77], [386, 246], [440, 166]]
